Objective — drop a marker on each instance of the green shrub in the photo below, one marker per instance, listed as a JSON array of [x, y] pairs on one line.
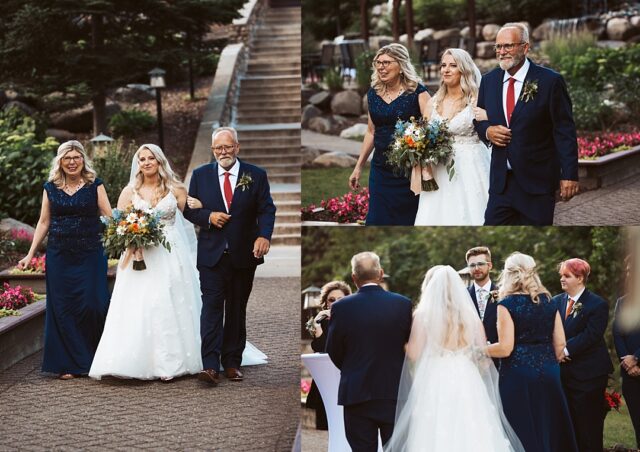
[[25, 160], [114, 167], [364, 70], [333, 79], [129, 122], [589, 111], [572, 46]]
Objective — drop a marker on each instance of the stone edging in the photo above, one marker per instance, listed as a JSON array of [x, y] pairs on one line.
[[23, 335], [609, 169]]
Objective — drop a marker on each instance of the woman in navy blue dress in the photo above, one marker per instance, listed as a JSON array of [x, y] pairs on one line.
[[77, 294], [531, 342], [395, 93]]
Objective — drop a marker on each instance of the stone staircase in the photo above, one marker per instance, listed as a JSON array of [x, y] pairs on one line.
[[267, 114]]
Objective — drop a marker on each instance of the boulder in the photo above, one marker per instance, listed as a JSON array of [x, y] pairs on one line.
[[635, 21], [355, 131], [319, 124], [308, 156], [80, 119], [322, 100], [135, 93], [425, 33], [24, 108], [490, 31], [60, 135], [306, 93], [542, 32], [485, 50], [308, 112], [466, 32], [335, 159], [448, 33], [9, 224], [346, 103], [619, 29], [339, 122], [620, 113]]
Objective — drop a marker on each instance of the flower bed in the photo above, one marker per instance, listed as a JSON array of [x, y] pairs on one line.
[[12, 298], [349, 208], [592, 145]]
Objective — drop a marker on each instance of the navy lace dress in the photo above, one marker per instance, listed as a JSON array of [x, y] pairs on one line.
[[391, 201], [530, 388], [77, 294]]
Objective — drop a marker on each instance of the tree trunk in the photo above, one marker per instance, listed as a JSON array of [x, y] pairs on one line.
[[408, 5], [364, 20], [471, 48], [99, 98], [395, 20], [336, 6], [190, 63]]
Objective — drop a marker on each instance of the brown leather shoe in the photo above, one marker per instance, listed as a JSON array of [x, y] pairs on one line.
[[67, 376], [233, 374], [210, 376]]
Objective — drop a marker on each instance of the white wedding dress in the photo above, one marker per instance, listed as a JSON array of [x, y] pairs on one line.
[[462, 200], [152, 328], [448, 398]]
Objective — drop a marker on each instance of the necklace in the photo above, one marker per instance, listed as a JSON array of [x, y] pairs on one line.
[[388, 96], [71, 190]]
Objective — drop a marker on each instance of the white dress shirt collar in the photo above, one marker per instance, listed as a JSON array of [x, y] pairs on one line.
[[486, 287], [578, 295], [520, 75], [235, 169]]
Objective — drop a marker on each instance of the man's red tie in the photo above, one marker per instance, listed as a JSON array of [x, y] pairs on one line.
[[511, 98], [228, 193], [570, 304]]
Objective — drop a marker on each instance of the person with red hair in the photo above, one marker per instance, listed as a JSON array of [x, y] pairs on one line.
[[586, 365]]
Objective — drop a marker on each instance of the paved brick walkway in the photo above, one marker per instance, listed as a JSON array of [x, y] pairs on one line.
[[617, 205], [38, 412]]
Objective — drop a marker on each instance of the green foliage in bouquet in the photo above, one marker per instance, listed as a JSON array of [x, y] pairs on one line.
[[25, 158]]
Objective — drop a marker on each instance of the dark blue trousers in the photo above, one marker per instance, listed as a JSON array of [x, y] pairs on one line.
[[631, 393], [362, 422]]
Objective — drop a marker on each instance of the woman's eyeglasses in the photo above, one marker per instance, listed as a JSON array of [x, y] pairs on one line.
[[75, 158], [383, 64]]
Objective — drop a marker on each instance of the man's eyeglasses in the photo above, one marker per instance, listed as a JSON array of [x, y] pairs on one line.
[[477, 265], [226, 148], [507, 47], [76, 158], [383, 64]]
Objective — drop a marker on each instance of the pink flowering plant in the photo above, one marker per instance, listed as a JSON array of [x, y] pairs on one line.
[[592, 145], [305, 387], [349, 208], [17, 297], [36, 266]]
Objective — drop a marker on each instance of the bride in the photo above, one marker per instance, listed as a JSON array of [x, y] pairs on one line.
[[152, 328], [448, 397], [461, 201]]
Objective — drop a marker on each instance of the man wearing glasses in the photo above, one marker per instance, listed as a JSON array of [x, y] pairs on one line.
[[236, 216], [532, 134], [479, 264]]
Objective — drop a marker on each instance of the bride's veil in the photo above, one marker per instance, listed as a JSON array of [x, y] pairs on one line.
[[444, 321]]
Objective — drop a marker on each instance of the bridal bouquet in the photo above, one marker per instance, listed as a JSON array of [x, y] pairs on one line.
[[130, 231], [418, 145]]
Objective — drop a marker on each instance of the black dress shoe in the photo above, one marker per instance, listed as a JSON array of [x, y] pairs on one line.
[[233, 374], [209, 376]]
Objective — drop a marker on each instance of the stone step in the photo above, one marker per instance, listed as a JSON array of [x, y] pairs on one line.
[[286, 198], [279, 29], [273, 71], [265, 119], [283, 82], [275, 169], [256, 101], [285, 239], [274, 53], [289, 205], [262, 58], [268, 109], [267, 158], [280, 44], [287, 228], [246, 133], [260, 65], [284, 178], [264, 146]]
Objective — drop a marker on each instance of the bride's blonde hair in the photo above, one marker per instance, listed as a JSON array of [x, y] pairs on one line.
[[520, 276]]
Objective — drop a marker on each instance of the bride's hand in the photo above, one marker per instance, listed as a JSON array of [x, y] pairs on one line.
[[194, 203], [480, 114]]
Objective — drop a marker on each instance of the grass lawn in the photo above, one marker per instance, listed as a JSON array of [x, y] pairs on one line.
[[618, 429], [324, 183]]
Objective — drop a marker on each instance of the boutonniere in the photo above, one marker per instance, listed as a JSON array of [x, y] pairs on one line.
[[575, 310], [310, 326], [529, 90], [493, 296], [245, 181]]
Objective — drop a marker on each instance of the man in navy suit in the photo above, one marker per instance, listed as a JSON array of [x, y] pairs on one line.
[[366, 340], [529, 125], [236, 222], [586, 366], [627, 342], [479, 263]]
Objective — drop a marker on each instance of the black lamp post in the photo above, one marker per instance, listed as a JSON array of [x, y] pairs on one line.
[[157, 82]]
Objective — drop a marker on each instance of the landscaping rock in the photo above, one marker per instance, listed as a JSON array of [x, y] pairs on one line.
[[339, 122], [334, 160], [355, 131], [426, 33], [306, 93], [490, 31], [308, 156], [309, 112], [9, 224], [346, 103], [448, 33], [135, 93], [26, 109], [466, 32], [322, 100], [619, 29], [60, 135], [319, 124], [80, 119], [485, 50], [620, 113]]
